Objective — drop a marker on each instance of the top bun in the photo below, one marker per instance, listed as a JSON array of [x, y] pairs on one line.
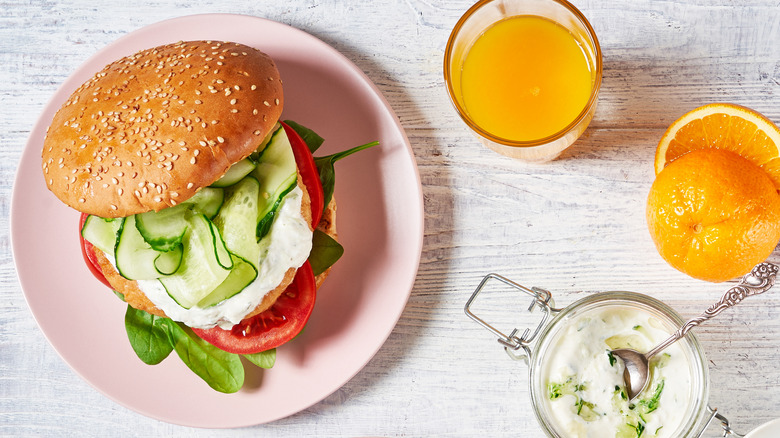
[[149, 130]]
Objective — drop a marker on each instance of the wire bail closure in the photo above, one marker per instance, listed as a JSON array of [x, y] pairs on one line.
[[511, 342], [543, 299]]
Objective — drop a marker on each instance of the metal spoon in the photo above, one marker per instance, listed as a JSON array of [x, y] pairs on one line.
[[637, 372]]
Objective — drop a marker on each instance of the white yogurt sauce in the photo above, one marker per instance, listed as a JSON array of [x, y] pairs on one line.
[[287, 245], [586, 395]]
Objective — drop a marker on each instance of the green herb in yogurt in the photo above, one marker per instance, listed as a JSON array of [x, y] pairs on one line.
[[573, 387]]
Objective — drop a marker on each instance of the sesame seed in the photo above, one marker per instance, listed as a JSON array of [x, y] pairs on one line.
[[265, 102], [189, 185], [253, 87], [193, 160], [114, 207]]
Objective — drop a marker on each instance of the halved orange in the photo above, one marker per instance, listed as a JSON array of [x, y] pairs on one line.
[[723, 126]]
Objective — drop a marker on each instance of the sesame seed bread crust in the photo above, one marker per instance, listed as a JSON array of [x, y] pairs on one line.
[[149, 130]]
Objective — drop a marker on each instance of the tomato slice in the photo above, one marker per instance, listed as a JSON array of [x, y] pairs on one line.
[[274, 327], [308, 171], [88, 252]]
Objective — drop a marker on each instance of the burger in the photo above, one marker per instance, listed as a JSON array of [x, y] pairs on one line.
[[200, 209]]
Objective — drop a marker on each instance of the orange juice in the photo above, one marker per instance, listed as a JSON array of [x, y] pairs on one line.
[[525, 78]]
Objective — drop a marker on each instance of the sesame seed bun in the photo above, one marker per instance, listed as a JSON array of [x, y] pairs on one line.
[[149, 130]]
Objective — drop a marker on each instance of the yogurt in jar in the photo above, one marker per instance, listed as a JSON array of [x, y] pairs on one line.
[[585, 393]]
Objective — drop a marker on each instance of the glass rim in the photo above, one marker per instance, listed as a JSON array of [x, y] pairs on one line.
[[527, 143]]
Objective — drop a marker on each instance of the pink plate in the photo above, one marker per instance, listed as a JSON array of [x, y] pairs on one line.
[[380, 225]]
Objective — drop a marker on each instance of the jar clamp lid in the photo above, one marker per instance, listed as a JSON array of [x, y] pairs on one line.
[[541, 298], [519, 347]]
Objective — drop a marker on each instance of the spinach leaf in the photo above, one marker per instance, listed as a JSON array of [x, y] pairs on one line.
[[148, 335], [325, 251], [221, 370], [311, 138], [328, 173], [263, 359]]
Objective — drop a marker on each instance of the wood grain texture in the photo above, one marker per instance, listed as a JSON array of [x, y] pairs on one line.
[[574, 226]]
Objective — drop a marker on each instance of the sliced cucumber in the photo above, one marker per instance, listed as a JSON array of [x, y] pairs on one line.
[[277, 173], [242, 274], [207, 201], [168, 263], [259, 150], [236, 221], [265, 222], [201, 270], [101, 232], [220, 250], [236, 173], [163, 230], [136, 259]]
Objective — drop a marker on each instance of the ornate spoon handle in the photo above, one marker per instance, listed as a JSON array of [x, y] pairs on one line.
[[758, 281]]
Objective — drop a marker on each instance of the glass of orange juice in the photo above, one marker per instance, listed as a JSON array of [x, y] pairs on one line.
[[524, 75]]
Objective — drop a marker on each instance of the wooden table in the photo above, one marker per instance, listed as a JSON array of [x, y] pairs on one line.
[[574, 226]]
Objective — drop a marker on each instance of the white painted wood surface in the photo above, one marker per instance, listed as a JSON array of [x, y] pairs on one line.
[[574, 226]]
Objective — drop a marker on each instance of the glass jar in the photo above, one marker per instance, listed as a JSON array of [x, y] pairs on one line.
[[536, 347]]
